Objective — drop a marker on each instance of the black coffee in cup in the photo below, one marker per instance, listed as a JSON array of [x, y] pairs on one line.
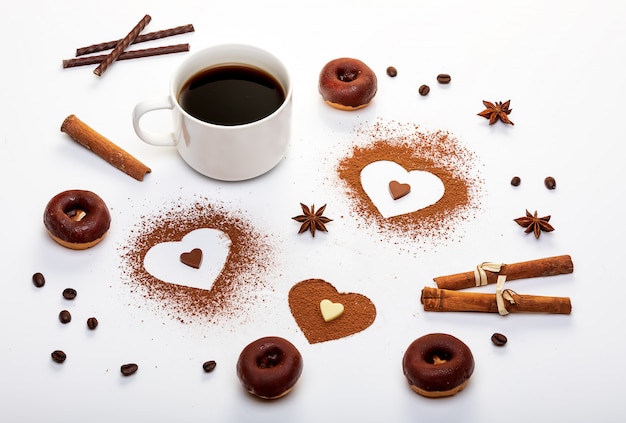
[[231, 95]]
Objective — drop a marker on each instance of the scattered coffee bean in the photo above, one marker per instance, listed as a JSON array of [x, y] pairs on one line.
[[92, 323], [392, 72], [129, 369], [498, 339], [58, 356], [209, 366], [69, 293], [65, 316], [516, 181], [444, 78], [39, 280], [550, 182], [424, 90]]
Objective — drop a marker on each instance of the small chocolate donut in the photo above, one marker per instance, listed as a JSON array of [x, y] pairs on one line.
[[347, 84], [77, 219], [438, 365], [269, 367]]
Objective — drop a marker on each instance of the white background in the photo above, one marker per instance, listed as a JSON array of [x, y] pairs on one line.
[[560, 62]]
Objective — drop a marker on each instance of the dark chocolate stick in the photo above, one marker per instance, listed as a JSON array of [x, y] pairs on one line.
[[150, 36], [122, 45], [132, 54]]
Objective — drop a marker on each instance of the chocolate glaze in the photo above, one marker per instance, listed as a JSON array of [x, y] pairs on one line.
[[269, 367], [348, 82], [58, 216], [422, 369]]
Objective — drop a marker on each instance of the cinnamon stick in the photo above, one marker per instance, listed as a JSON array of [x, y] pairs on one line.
[[131, 54], [435, 299], [113, 154], [549, 266], [122, 45], [150, 36]]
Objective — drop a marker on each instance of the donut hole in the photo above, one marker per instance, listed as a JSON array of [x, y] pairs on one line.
[[345, 74], [438, 356], [269, 358], [76, 214]]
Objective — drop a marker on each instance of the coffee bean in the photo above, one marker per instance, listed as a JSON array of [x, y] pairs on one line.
[[424, 90], [444, 78], [209, 366], [65, 316], [516, 181], [69, 293], [550, 182], [392, 72], [92, 323], [39, 280], [498, 339], [58, 356], [129, 369]]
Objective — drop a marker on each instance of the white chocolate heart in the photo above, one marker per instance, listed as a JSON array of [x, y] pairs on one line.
[[426, 188], [330, 311], [163, 261]]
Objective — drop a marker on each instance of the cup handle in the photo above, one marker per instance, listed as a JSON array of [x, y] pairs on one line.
[[147, 106]]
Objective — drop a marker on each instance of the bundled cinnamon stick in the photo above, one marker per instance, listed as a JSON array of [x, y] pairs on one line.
[[549, 266], [113, 154], [435, 299]]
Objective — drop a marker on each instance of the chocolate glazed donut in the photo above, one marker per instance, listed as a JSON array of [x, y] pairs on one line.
[[269, 367], [77, 219], [438, 365], [347, 84]]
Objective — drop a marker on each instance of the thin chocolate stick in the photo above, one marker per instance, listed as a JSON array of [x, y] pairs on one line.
[[122, 45], [150, 36], [443, 300], [131, 54], [107, 150]]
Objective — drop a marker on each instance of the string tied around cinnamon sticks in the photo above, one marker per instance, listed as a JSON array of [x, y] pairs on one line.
[[503, 295], [481, 276]]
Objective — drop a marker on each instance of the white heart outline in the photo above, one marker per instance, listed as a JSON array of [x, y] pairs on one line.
[[163, 260], [426, 188]]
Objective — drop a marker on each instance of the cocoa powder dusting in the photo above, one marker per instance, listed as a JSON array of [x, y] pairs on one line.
[[236, 287], [439, 153]]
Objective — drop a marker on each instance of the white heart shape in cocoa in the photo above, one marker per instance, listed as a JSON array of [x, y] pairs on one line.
[[426, 188], [163, 260]]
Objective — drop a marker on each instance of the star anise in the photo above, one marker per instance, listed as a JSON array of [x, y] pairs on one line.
[[498, 111], [534, 224], [312, 220]]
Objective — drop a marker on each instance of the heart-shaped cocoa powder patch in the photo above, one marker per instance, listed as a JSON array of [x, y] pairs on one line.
[[192, 258], [304, 301], [398, 190]]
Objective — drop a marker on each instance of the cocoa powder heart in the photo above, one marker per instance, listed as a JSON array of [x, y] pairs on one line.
[[304, 301], [192, 258], [398, 190]]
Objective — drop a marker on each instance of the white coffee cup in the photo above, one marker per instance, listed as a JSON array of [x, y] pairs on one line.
[[224, 152]]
